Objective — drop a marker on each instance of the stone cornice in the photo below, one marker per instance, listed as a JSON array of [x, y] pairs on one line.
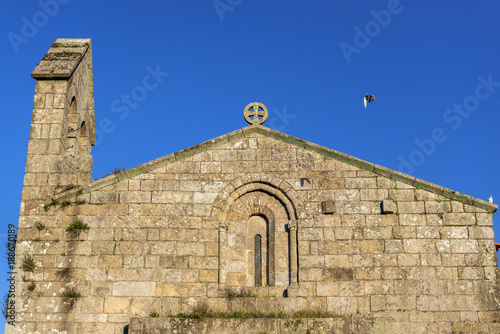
[[61, 60]]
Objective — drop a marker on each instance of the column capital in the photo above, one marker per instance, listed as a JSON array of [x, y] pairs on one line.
[[223, 226]]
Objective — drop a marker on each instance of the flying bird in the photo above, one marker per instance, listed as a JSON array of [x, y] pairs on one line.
[[369, 98], [490, 199]]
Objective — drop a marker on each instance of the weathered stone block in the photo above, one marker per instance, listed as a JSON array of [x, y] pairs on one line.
[[470, 273], [335, 261], [339, 305], [463, 219], [405, 195], [351, 288], [404, 232], [82, 317], [174, 197], [99, 197], [479, 232], [331, 183], [408, 260], [393, 246], [202, 197], [411, 207], [453, 260], [379, 287], [430, 260], [470, 328], [464, 246], [384, 232], [388, 206], [354, 208], [346, 195], [117, 305], [381, 220], [457, 206], [378, 303], [327, 289], [484, 219], [132, 289], [459, 287], [343, 233], [412, 219], [373, 246], [420, 246], [337, 274], [399, 303], [135, 196], [171, 290], [373, 194], [437, 206], [393, 273], [361, 183], [443, 246], [311, 261], [208, 275], [368, 273], [426, 274], [310, 234], [133, 261], [428, 232], [449, 232]]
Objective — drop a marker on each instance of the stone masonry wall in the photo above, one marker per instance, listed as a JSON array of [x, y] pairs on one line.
[[154, 243], [200, 228]]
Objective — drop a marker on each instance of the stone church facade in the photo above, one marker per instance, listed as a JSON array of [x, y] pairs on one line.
[[299, 226]]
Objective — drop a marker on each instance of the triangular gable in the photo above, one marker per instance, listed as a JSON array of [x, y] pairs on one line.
[[279, 136]]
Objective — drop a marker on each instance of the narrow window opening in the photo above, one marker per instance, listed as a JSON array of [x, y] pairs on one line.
[[258, 260], [83, 141], [71, 145]]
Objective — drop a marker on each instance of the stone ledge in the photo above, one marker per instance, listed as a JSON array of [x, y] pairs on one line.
[[62, 59], [344, 324]]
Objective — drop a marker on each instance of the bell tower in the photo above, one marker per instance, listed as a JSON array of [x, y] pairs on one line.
[[62, 126]]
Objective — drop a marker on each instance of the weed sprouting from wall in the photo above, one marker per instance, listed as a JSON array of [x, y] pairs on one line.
[[77, 226], [29, 264], [5, 305], [71, 295], [39, 226]]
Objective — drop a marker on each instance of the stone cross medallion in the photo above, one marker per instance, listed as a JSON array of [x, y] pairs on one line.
[[255, 110]]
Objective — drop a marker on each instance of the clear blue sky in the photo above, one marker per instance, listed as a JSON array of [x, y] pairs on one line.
[[433, 65]]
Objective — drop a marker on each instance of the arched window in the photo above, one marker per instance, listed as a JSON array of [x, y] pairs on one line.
[[83, 140], [77, 139], [258, 248], [257, 241], [71, 145]]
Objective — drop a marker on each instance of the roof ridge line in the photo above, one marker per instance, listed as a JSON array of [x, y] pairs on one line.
[[327, 152]]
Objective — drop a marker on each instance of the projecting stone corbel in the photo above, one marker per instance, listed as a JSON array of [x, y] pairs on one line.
[[328, 207], [388, 206]]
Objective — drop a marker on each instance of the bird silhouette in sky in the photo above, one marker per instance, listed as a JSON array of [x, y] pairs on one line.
[[369, 98]]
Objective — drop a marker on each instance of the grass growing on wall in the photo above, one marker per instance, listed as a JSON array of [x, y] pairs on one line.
[[203, 312]]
